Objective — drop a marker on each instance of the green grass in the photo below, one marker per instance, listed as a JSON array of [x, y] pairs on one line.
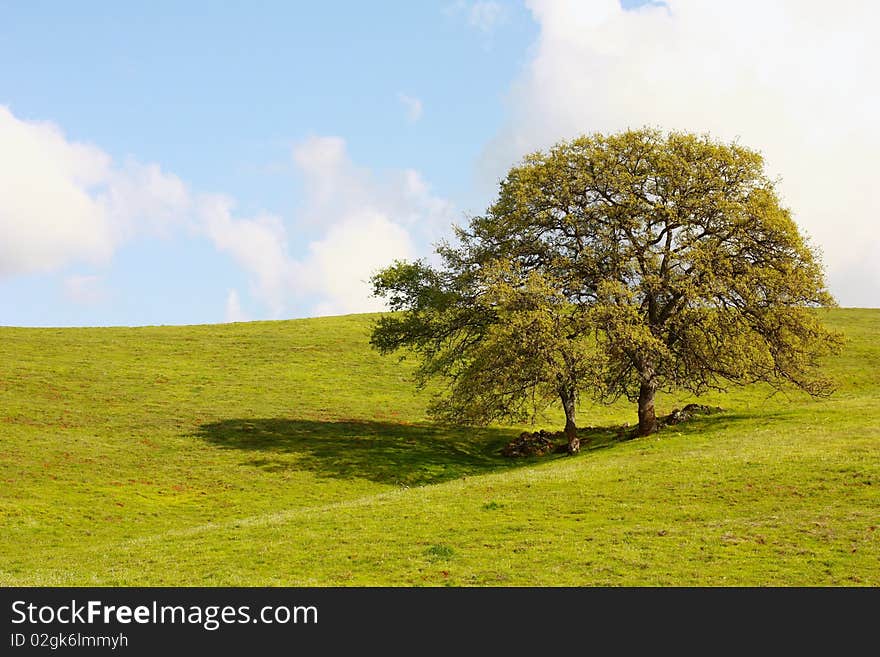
[[289, 453]]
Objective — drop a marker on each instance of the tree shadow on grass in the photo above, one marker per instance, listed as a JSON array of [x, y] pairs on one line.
[[402, 454]]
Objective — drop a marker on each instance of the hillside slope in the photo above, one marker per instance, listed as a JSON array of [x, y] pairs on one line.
[[289, 453]]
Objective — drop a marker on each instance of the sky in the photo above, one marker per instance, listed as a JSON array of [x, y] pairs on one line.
[[204, 162]]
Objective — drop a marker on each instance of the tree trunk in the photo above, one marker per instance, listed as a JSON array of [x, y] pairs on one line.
[[647, 418], [569, 401]]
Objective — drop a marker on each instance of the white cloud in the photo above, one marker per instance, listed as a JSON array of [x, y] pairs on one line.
[[368, 221], [62, 201], [85, 290], [791, 78], [351, 224], [49, 214], [332, 184], [257, 244], [141, 199], [338, 266], [336, 188], [234, 312], [412, 105]]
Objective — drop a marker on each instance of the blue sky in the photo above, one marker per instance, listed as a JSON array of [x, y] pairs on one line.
[[290, 148]]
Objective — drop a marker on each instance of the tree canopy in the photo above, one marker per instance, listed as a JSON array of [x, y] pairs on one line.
[[615, 265]]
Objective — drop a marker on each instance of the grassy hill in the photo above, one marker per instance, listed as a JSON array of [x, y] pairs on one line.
[[289, 453]]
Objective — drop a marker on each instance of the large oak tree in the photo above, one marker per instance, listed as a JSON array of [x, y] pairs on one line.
[[615, 265]]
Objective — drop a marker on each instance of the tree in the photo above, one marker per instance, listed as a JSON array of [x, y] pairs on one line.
[[652, 261], [507, 343]]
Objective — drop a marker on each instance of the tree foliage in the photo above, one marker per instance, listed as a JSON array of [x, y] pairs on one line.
[[616, 265], [507, 344]]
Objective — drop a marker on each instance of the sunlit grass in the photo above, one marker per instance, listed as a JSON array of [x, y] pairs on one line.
[[289, 453]]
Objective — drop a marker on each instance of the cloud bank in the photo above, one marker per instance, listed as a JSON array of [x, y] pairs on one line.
[[351, 224], [790, 78], [64, 202]]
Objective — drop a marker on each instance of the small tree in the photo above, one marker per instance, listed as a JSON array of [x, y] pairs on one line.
[[661, 262], [508, 343]]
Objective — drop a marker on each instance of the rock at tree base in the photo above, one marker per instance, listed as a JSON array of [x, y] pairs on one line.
[[677, 416], [539, 443], [536, 443]]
